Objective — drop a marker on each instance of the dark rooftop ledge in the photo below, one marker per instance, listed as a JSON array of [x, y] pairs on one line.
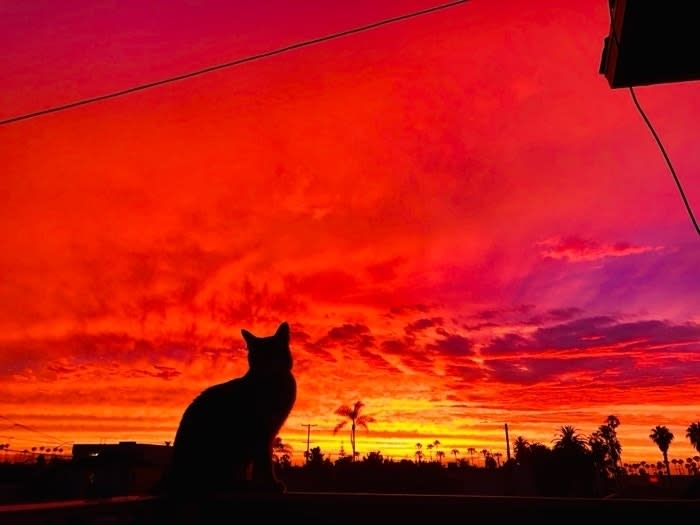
[[335, 508]]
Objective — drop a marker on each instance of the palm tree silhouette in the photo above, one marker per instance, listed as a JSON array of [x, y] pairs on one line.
[[471, 451], [520, 448], [353, 415], [439, 455], [693, 434], [454, 453], [419, 452], [662, 436], [610, 435], [486, 453], [498, 456], [569, 439]]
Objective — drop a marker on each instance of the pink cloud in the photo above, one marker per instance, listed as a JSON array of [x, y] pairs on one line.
[[576, 249]]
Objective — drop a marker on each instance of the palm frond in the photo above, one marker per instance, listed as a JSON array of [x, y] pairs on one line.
[[344, 411], [339, 426], [357, 408], [363, 420]]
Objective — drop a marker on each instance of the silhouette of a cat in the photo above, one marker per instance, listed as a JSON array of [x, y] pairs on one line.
[[224, 440]]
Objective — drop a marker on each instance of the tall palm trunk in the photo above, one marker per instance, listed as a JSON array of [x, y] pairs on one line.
[[352, 439], [668, 467]]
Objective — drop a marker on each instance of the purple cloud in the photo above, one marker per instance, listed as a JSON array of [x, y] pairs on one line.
[[598, 331], [452, 345], [347, 336], [423, 323], [528, 371]]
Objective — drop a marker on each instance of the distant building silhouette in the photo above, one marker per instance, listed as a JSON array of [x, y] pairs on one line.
[[122, 468]]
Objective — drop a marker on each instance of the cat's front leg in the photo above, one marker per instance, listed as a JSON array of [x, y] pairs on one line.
[[263, 471]]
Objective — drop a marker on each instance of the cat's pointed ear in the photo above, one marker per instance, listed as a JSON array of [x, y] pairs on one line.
[[249, 338], [283, 332]]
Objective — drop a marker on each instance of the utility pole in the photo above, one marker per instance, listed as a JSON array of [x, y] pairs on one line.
[[308, 440], [507, 443]]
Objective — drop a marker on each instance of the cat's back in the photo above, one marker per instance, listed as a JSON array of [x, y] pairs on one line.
[[215, 396]]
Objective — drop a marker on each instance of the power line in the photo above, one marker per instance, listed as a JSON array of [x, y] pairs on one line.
[[30, 429], [236, 62]]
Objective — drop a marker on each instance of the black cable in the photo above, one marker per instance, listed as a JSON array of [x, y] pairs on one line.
[[232, 63], [30, 429], [649, 125], [666, 158]]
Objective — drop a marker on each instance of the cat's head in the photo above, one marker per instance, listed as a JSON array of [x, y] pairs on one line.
[[271, 353]]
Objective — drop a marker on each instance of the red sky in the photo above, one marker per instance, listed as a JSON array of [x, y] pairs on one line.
[[462, 222]]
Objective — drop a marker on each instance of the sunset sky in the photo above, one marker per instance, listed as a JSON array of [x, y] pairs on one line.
[[463, 224]]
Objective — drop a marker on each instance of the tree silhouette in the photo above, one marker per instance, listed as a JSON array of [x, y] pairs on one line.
[[662, 436], [471, 451], [498, 456], [440, 455], [280, 449], [605, 447], [574, 465], [454, 453], [693, 435], [521, 447], [374, 458], [486, 453], [419, 452], [609, 433], [599, 453], [569, 440], [489, 460], [356, 418], [315, 457]]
